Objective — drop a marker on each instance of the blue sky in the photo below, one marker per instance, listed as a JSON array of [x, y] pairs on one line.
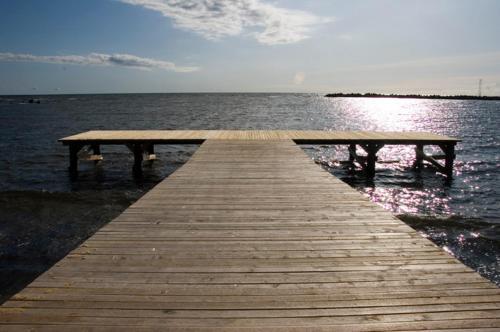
[[387, 46]]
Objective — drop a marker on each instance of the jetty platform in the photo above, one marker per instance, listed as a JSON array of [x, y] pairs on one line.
[[252, 235], [141, 143]]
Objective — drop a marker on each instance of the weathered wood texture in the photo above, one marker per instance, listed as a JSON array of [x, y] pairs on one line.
[[252, 234]]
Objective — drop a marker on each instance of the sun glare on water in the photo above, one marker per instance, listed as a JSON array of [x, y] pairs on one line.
[[390, 114]]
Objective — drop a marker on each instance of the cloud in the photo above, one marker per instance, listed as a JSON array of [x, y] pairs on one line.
[[214, 19], [99, 59], [299, 78]]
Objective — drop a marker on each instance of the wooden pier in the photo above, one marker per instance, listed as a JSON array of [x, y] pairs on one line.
[[141, 143], [251, 235]]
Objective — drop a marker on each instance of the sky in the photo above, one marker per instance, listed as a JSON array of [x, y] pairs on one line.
[[317, 46]]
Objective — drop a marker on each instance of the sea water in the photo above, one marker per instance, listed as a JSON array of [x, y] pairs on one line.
[[43, 214]]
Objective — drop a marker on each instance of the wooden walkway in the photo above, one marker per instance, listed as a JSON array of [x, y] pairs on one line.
[[252, 235], [142, 142]]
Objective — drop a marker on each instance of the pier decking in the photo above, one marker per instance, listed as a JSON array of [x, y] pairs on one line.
[[251, 235], [142, 142]]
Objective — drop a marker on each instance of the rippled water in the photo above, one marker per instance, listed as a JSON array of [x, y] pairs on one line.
[[462, 215]]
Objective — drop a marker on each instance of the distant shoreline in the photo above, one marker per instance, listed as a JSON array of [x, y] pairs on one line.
[[377, 95]]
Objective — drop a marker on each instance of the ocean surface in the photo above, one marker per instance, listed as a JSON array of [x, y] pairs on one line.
[[43, 214]]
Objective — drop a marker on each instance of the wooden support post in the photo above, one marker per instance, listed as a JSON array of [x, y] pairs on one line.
[[449, 150], [74, 148], [137, 150], [449, 157], [419, 157], [371, 150], [352, 153], [371, 158]]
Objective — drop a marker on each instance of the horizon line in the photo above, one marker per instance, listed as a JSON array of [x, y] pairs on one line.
[[239, 92]]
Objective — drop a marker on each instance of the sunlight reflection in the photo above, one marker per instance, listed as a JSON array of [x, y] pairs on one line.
[[391, 114]]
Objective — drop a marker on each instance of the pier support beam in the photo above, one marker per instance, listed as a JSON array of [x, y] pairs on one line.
[[368, 161], [449, 151], [73, 158], [352, 153], [137, 150], [371, 150], [419, 157], [449, 157]]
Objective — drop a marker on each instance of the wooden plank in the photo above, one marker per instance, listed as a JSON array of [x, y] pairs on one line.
[[251, 234], [303, 137]]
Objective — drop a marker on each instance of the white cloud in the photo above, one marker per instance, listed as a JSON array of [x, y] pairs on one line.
[[214, 19], [98, 59], [299, 78]]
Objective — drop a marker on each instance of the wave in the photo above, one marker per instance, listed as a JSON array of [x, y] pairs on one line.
[[451, 222], [474, 241]]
